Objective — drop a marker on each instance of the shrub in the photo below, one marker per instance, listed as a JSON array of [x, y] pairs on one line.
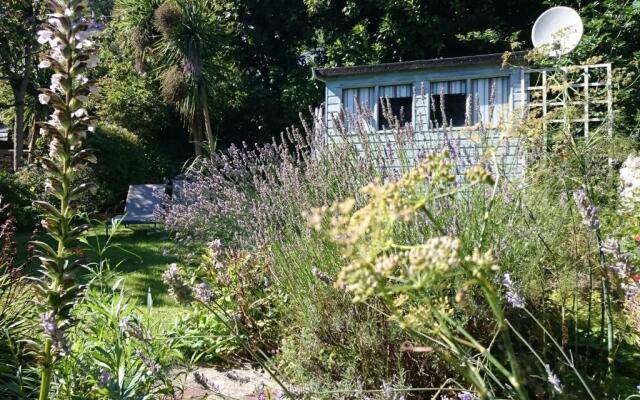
[[253, 199], [549, 257], [237, 287], [116, 353], [20, 189], [124, 159], [17, 319], [131, 101]]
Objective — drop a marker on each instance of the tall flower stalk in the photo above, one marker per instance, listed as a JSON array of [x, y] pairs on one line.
[[70, 56]]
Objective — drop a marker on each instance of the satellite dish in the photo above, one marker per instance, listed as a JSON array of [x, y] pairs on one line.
[[557, 31]]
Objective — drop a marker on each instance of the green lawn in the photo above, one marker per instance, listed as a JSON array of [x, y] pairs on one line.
[[143, 254]]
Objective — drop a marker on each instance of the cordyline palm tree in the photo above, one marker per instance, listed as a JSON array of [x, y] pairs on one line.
[[179, 38]]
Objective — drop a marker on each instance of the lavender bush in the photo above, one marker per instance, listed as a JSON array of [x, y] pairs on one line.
[[553, 268]]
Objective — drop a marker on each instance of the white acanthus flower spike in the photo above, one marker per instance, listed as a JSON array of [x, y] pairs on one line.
[[82, 79], [44, 98], [55, 22], [57, 44], [79, 113], [68, 12], [84, 44], [44, 36], [54, 121], [57, 55], [93, 61], [44, 64], [81, 36], [56, 82]]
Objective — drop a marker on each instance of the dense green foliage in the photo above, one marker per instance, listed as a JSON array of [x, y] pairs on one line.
[[125, 159]]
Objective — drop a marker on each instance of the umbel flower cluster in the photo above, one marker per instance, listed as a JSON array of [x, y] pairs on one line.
[[70, 57], [420, 283]]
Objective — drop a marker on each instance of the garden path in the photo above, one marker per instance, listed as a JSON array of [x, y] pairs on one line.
[[244, 383]]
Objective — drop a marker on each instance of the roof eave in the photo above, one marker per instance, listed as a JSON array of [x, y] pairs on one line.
[[322, 74]]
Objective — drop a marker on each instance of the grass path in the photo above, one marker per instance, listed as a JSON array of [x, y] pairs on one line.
[[143, 254]]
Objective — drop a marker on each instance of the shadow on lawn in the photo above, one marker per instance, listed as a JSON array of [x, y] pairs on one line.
[[143, 254]]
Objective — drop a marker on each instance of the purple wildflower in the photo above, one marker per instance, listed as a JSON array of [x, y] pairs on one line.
[[467, 396], [513, 297], [105, 377], [553, 379], [587, 210], [151, 365], [322, 276], [203, 293]]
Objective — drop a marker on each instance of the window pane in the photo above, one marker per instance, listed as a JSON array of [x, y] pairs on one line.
[[395, 102], [454, 108], [355, 99], [490, 99], [363, 97], [396, 108]]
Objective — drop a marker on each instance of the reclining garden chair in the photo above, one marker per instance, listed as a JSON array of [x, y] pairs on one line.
[[142, 201]]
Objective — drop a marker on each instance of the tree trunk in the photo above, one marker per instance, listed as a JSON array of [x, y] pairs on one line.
[[207, 125], [197, 141], [18, 132], [19, 93], [32, 141]]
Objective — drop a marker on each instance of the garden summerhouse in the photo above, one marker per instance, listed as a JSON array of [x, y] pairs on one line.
[[465, 104]]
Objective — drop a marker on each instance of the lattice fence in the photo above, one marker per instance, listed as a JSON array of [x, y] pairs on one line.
[[580, 95]]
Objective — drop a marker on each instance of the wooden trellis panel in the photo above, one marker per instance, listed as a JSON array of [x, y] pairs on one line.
[[580, 95]]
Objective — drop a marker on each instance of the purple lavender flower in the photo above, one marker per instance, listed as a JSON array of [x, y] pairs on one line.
[[203, 293], [513, 297], [151, 365], [215, 245], [587, 210], [322, 276], [467, 396], [553, 379]]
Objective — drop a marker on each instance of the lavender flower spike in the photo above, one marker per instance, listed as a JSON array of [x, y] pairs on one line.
[[203, 293], [513, 297], [322, 276], [553, 379], [587, 210], [467, 396]]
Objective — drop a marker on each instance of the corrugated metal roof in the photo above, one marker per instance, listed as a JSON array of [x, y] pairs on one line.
[[494, 58]]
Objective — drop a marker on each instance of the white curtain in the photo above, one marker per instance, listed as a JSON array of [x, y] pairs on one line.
[[396, 91], [365, 97], [448, 87], [490, 100]]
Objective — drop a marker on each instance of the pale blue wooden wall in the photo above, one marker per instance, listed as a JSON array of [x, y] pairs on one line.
[[507, 100]]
